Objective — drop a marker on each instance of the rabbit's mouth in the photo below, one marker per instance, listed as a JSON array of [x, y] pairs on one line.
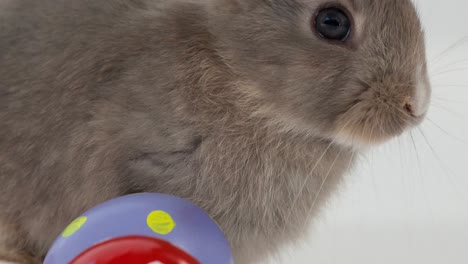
[[383, 110], [371, 130], [376, 121]]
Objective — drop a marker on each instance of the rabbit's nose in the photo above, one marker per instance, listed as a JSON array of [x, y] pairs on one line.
[[409, 107], [417, 105]]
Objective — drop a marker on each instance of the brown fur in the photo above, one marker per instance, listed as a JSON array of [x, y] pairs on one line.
[[235, 105]]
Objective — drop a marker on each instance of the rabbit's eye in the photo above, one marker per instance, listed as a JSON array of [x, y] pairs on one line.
[[333, 24]]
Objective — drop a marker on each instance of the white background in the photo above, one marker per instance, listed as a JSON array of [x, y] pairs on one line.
[[401, 205]]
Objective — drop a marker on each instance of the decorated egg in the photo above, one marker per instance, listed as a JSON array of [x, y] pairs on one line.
[[141, 229]]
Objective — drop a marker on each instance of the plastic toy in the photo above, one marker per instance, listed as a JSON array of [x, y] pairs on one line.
[[145, 228]]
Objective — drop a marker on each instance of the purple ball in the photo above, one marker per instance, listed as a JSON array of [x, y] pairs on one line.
[[162, 216]]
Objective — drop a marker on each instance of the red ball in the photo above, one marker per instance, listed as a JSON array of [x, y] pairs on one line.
[[135, 250]]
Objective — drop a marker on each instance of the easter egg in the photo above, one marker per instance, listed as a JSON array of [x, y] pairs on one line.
[[134, 250], [165, 224]]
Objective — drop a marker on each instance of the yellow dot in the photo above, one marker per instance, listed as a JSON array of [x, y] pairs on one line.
[[74, 226], [160, 222]]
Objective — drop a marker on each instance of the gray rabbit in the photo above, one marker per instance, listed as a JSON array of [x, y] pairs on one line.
[[252, 109]]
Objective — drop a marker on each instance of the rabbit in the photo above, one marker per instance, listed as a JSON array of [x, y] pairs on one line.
[[254, 110]]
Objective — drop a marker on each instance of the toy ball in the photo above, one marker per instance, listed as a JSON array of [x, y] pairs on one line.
[[145, 228]]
